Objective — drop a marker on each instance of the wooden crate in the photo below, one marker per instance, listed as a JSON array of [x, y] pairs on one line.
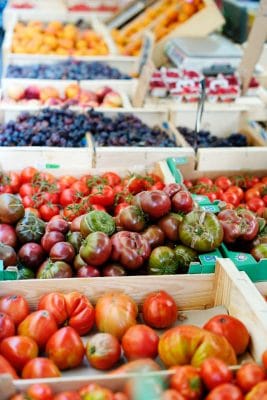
[[198, 296], [93, 22]]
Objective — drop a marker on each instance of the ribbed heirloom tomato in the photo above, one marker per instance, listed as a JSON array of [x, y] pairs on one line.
[[227, 391], [7, 326], [40, 368], [159, 310], [215, 372], [40, 391], [187, 382], [67, 396]]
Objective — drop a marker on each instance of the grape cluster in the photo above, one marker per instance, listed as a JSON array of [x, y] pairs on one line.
[[66, 128], [206, 139], [70, 69]]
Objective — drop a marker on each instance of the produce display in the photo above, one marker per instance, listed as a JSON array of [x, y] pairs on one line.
[[72, 95], [65, 331], [36, 37], [107, 225], [70, 69], [184, 85], [42, 129], [161, 19], [206, 139]]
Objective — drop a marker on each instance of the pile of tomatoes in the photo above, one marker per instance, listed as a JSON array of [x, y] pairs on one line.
[[43, 343], [243, 191], [47, 196]]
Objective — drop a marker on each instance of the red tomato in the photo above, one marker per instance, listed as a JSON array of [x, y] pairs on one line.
[[40, 391], [140, 341], [65, 348], [136, 185], [212, 196], [67, 197], [44, 177], [205, 181], [242, 205], [80, 188], [223, 182], [15, 306], [119, 207], [27, 174], [227, 391], [120, 396], [264, 359], [7, 326], [47, 211], [10, 183], [255, 203], [103, 351], [249, 375], [251, 193], [103, 195], [187, 382], [261, 211], [115, 313], [50, 197], [33, 211], [234, 330], [94, 391], [264, 180], [67, 396], [18, 350], [265, 199], [215, 372], [238, 191], [28, 201], [231, 198], [39, 326], [111, 178], [97, 207], [251, 181], [159, 310], [6, 368], [157, 186], [259, 392], [66, 181], [40, 368], [27, 190], [188, 184], [171, 394]]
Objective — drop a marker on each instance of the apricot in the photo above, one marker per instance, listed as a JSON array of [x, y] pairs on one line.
[[50, 41], [48, 92], [66, 43]]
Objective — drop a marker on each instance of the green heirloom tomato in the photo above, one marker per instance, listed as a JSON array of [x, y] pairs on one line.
[[185, 255], [25, 273], [75, 239], [259, 251], [30, 229], [97, 221], [51, 270], [162, 261], [201, 231]]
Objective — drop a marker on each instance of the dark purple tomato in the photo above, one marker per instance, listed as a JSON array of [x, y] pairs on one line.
[[170, 226], [31, 255], [8, 255], [155, 203], [51, 238], [88, 271], [62, 251], [96, 248], [113, 269], [59, 225], [8, 235], [154, 235], [182, 202], [172, 188], [131, 219]]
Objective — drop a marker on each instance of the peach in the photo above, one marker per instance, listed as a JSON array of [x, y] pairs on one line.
[[72, 91], [48, 92], [113, 99], [15, 92]]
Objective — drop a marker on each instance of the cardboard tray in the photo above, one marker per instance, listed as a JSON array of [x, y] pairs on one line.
[[198, 298]]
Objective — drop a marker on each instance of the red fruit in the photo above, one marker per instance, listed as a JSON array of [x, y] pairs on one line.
[[140, 341], [249, 375], [215, 372]]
